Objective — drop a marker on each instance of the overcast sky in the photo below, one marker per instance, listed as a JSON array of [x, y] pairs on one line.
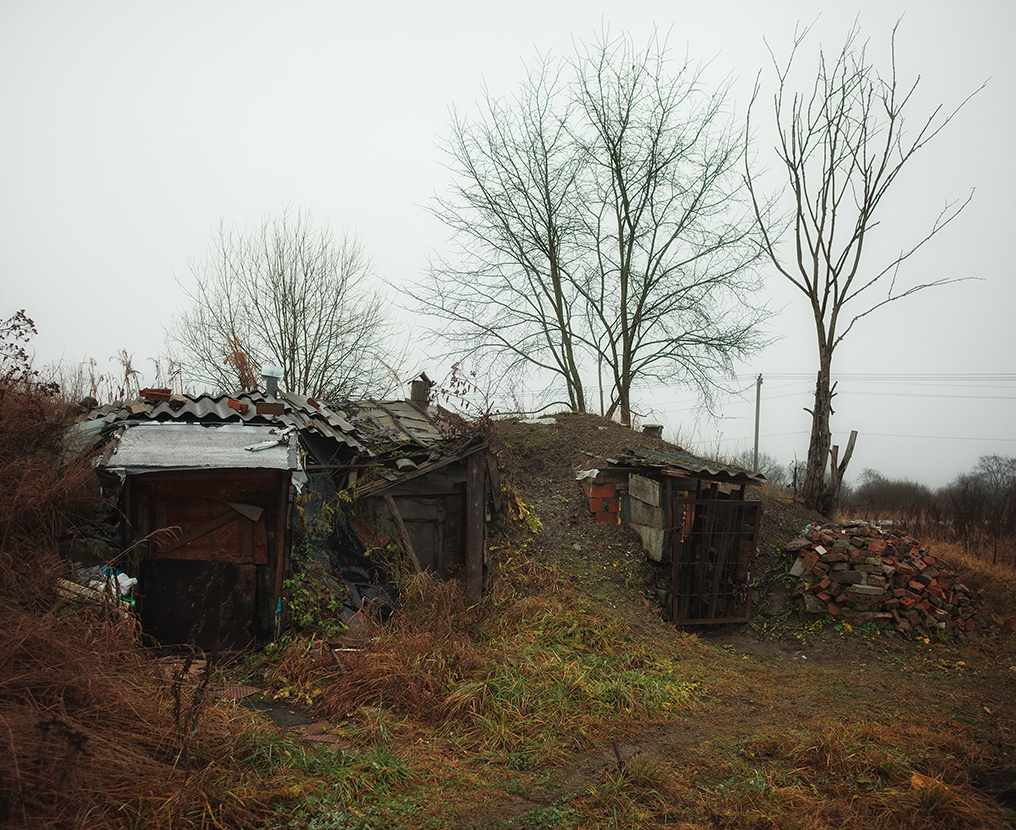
[[127, 130]]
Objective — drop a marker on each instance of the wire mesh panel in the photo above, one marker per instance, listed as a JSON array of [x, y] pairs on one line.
[[713, 549]]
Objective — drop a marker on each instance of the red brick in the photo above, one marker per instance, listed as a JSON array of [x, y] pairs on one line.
[[600, 491], [157, 394], [611, 505], [609, 518], [833, 609], [876, 545]]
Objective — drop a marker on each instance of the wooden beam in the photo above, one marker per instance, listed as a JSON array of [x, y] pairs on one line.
[[281, 536], [400, 529], [474, 527]]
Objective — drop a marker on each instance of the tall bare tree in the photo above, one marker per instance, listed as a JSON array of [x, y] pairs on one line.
[[507, 289], [288, 294], [841, 147], [672, 244], [601, 225]]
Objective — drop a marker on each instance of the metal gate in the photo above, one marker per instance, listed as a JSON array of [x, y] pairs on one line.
[[713, 551]]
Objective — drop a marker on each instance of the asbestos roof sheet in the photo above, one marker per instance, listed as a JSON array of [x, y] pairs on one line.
[[370, 428], [396, 421], [162, 446], [692, 464], [298, 413]]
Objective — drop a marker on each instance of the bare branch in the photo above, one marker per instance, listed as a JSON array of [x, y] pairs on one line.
[[286, 293]]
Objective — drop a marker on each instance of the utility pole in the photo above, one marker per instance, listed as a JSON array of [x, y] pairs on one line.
[[758, 402]]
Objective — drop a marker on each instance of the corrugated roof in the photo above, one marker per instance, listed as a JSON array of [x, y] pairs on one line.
[[411, 434], [692, 464], [298, 413]]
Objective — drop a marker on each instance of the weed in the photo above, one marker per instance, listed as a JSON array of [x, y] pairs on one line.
[[560, 814], [520, 511], [312, 607]]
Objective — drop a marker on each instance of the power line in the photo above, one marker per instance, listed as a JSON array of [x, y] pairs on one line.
[[930, 377], [938, 437], [878, 435]]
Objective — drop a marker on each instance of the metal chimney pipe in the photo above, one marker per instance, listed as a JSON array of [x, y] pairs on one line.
[[271, 375]]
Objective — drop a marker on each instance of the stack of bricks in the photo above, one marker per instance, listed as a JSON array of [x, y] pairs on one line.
[[857, 573], [604, 496]]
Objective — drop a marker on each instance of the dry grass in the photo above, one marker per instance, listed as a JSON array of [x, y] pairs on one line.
[[998, 582], [453, 711], [529, 669], [91, 734]]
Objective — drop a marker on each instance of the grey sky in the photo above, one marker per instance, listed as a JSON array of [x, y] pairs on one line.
[[129, 129]]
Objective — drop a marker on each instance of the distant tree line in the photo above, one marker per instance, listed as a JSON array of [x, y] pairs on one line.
[[977, 508]]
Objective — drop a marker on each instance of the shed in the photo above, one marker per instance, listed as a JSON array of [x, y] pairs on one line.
[[695, 523], [214, 578], [204, 491]]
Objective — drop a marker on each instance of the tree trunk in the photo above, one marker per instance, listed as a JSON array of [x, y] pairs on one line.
[[814, 490]]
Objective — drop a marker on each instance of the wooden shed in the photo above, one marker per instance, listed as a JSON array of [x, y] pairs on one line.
[[205, 518], [205, 487], [695, 522]]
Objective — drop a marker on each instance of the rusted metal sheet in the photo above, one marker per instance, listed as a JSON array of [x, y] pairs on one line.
[[212, 519], [713, 550]]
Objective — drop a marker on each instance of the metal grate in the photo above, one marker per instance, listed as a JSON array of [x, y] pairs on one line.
[[713, 550]]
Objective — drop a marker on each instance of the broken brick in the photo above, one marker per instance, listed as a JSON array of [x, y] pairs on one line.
[[160, 394]]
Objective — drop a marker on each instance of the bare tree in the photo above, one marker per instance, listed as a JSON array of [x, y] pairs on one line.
[[997, 475], [842, 146], [286, 294], [602, 227], [773, 470], [508, 289], [669, 291]]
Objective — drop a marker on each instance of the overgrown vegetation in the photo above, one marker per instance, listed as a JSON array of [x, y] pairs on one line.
[[558, 700]]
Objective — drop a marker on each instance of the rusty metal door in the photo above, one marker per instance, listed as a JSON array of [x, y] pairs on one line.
[[713, 546]]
